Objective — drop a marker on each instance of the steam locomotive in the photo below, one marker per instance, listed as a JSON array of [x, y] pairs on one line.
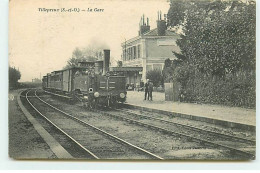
[[90, 82]]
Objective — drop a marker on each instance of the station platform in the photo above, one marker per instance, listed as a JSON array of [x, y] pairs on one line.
[[27, 138], [223, 115]]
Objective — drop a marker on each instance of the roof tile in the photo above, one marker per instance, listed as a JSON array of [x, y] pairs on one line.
[[154, 32]]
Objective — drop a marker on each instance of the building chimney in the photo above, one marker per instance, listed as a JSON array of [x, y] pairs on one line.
[[106, 61], [161, 25], [144, 27]]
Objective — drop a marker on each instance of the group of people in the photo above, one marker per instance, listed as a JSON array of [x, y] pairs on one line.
[[148, 90]]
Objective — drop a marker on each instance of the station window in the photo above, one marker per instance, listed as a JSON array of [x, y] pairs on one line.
[[131, 53], [128, 54], [134, 52], [138, 51]]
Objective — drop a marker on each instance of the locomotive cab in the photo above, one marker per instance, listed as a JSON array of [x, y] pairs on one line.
[[112, 89]]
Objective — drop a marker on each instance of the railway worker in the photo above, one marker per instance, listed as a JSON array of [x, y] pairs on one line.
[[146, 85], [150, 90]]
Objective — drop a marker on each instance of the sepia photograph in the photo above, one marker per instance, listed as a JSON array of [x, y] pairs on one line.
[[121, 80]]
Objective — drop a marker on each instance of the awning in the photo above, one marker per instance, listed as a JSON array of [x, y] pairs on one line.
[[126, 69]]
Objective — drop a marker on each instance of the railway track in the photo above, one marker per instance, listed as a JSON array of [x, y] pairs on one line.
[[68, 142], [141, 121], [188, 127], [235, 145], [164, 145], [98, 143]]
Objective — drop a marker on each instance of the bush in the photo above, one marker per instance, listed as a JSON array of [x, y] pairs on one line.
[[156, 77], [236, 89], [216, 62]]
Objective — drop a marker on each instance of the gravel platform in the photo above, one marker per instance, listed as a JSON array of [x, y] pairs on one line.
[[24, 141]]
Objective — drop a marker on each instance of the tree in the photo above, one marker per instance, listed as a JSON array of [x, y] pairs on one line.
[[218, 42], [88, 53], [119, 64], [14, 76], [219, 37], [156, 77], [176, 13]]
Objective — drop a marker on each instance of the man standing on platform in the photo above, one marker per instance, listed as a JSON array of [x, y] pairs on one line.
[[146, 85], [150, 90]]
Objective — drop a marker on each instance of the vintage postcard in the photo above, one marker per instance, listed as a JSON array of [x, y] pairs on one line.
[[152, 80]]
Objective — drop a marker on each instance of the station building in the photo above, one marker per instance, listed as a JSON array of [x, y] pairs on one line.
[[147, 51]]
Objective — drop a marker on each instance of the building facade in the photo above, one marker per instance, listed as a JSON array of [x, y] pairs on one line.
[[149, 49]]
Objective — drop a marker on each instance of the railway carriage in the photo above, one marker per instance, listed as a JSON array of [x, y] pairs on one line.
[[89, 82]]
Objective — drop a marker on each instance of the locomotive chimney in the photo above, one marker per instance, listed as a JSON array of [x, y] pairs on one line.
[[106, 61]]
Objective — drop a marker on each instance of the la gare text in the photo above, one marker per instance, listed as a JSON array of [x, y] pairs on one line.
[[57, 10]]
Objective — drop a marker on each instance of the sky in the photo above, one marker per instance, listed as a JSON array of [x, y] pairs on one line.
[[41, 42]]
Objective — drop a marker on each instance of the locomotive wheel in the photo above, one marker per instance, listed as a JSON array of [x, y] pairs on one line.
[[92, 104], [113, 103]]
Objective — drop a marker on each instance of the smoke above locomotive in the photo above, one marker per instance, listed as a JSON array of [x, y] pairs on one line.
[[90, 83]]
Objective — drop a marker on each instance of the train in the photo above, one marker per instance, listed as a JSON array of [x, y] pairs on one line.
[[89, 82]]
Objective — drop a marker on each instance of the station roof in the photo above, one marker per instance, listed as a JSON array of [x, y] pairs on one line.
[[126, 69], [154, 32]]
